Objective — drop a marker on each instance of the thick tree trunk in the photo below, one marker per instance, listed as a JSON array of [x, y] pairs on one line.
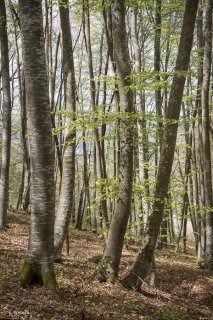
[[144, 259], [6, 135], [114, 242], [68, 176], [38, 265]]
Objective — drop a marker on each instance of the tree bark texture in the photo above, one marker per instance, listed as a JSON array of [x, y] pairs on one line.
[[145, 256], [6, 135], [68, 174], [114, 242], [206, 133], [38, 265]]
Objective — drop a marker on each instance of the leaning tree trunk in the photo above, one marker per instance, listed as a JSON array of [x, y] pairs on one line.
[[206, 134], [114, 242], [38, 265], [6, 136], [68, 174], [144, 259]]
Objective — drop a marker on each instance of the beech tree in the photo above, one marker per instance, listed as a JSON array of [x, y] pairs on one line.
[[145, 256], [66, 200], [38, 264], [6, 107], [133, 141], [206, 134], [115, 237]]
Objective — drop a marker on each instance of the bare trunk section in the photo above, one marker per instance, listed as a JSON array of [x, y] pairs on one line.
[[157, 59], [66, 200], [144, 259], [114, 242], [206, 134], [38, 265], [6, 136]]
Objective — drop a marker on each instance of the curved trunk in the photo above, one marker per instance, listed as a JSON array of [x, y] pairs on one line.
[[38, 265], [114, 242], [6, 136], [68, 174], [144, 259]]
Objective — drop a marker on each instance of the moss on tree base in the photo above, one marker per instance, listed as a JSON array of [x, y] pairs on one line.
[[31, 273], [27, 274], [49, 281], [106, 272]]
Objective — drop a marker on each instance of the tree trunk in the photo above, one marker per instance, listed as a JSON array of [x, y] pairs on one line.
[[6, 135], [114, 242], [206, 134], [68, 175], [144, 259], [157, 60], [38, 265]]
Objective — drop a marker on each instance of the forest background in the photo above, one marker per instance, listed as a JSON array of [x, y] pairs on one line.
[[130, 121]]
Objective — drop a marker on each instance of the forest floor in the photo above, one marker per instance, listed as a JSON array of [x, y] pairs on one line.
[[182, 292]]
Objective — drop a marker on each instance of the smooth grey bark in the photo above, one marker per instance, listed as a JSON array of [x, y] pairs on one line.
[[145, 256], [66, 200], [38, 265], [6, 135], [206, 134], [115, 237]]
